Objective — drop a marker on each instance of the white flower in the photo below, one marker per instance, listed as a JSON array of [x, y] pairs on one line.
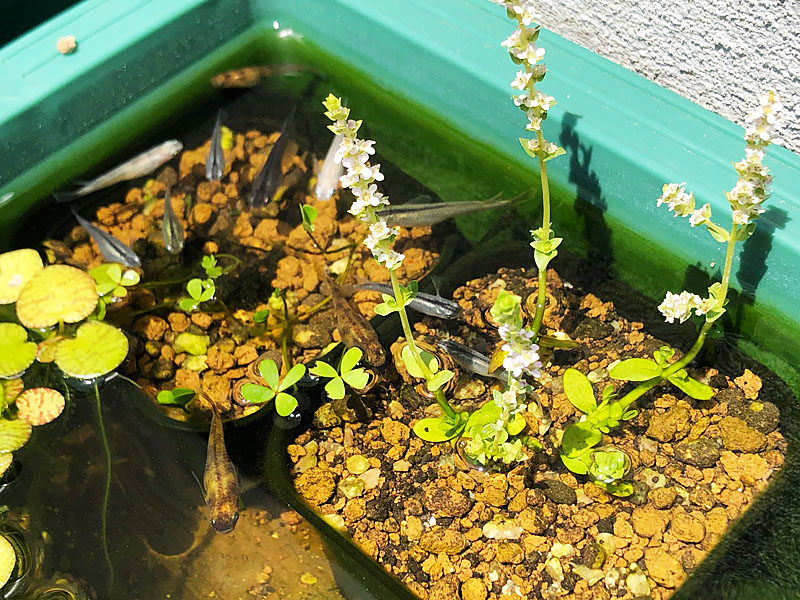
[[700, 216], [677, 200], [389, 258], [679, 306], [521, 80]]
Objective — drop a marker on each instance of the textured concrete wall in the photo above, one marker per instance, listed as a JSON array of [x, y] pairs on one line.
[[718, 53]]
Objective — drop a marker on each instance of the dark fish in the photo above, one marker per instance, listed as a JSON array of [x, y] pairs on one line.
[[423, 215], [427, 304], [270, 175], [331, 171], [220, 480], [215, 161], [110, 247], [171, 227], [354, 329], [250, 76], [471, 360], [139, 166]]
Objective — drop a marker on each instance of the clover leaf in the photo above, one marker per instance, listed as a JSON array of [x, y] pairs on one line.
[[276, 387], [356, 378]]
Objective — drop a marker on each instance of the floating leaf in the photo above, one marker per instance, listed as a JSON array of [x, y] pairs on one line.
[[8, 560], [285, 404], [257, 394], [16, 270], [11, 389], [294, 375], [39, 406], [97, 349], [269, 371], [13, 434], [46, 351], [6, 458], [58, 293], [335, 388], [16, 352]]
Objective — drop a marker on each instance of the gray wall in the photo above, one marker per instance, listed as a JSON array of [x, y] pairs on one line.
[[720, 56]]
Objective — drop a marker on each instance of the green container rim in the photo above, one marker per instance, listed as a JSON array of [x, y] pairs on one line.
[[60, 114]]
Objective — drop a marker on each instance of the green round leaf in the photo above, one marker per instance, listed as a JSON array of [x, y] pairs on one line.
[[516, 425], [257, 394], [17, 268], [16, 352], [8, 560], [294, 375], [195, 288], [356, 379], [58, 293], [579, 391], [438, 380], [323, 369], [130, 278], [269, 371], [14, 434], [335, 388], [97, 349], [285, 404], [350, 359], [578, 465]]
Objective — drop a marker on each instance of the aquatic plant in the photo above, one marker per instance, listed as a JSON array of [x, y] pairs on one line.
[[202, 290], [16, 269], [276, 387], [361, 177], [96, 350], [746, 201], [112, 284], [348, 373], [56, 295], [489, 439], [176, 396]]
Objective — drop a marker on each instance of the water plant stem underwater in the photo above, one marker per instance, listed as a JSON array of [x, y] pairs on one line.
[[106, 492]]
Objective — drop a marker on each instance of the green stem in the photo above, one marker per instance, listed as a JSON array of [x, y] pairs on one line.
[[106, 492], [284, 337], [426, 372], [541, 297], [645, 386]]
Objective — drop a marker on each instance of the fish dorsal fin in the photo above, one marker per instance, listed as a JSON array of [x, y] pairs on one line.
[[435, 280], [200, 485]]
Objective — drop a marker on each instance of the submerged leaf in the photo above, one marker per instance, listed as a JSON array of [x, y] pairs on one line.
[[578, 438], [635, 369], [17, 268], [58, 293], [16, 352], [435, 430], [691, 387], [97, 349], [39, 406]]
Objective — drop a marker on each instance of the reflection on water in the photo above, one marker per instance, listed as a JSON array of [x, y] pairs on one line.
[[160, 542]]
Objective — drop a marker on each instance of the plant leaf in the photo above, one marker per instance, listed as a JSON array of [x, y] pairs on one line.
[[323, 369], [260, 316], [578, 438], [516, 425], [410, 362], [195, 288], [356, 379], [335, 388], [635, 369], [579, 391], [187, 304], [350, 359], [383, 309], [438, 380], [691, 387], [269, 371], [294, 375], [285, 404], [435, 430], [578, 465], [309, 216], [257, 394]]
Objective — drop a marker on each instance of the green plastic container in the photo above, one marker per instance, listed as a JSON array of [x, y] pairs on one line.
[[438, 65]]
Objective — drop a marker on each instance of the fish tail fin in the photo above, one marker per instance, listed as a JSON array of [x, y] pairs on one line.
[[62, 197]]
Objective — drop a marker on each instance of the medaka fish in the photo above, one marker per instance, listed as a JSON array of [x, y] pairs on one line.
[[330, 172], [139, 166], [269, 177], [220, 479], [471, 360], [171, 228], [427, 304], [412, 214], [215, 161], [112, 249], [247, 77]]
